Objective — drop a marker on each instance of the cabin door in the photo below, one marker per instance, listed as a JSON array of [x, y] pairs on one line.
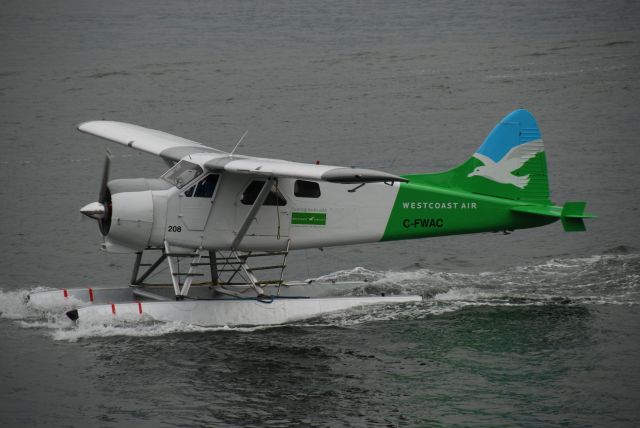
[[196, 202], [272, 219]]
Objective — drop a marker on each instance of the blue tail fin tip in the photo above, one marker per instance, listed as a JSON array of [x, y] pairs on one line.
[[516, 128]]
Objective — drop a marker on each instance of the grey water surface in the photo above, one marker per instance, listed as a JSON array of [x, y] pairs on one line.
[[535, 328]]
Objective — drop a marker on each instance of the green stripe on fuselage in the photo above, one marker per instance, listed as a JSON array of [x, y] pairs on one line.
[[423, 210], [452, 202]]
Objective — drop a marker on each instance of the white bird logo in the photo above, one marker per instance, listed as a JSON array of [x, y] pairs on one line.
[[501, 171]]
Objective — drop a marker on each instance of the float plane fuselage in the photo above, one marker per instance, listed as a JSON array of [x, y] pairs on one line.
[[220, 201]]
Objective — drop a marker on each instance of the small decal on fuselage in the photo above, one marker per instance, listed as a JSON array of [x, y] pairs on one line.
[[427, 205], [308, 218]]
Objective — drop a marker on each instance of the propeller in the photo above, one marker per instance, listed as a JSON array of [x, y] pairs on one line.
[[104, 190], [100, 210]]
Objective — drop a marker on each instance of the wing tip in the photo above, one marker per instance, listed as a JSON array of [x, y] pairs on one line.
[[84, 126]]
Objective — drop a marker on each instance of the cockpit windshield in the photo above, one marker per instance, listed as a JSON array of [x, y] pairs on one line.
[[182, 174]]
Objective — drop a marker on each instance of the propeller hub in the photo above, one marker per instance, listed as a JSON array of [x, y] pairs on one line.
[[95, 210]]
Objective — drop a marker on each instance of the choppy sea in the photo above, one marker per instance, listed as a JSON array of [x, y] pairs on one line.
[[535, 328]]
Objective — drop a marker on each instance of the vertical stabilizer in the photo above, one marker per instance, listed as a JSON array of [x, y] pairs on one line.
[[509, 164]]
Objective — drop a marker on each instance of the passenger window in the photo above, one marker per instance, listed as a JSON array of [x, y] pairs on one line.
[[252, 191], [306, 189]]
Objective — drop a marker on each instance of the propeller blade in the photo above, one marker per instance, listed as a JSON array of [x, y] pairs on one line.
[[104, 190]]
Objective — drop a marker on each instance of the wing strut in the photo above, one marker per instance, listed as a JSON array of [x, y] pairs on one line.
[[262, 196]]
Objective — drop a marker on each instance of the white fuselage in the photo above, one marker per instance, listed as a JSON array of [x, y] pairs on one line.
[[349, 217], [328, 215]]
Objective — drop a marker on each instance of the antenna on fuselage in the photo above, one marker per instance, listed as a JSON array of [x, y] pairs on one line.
[[239, 141]]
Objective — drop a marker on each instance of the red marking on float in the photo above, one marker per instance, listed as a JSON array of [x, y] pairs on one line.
[[91, 294], [113, 308], [140, 307], [66, 293], [317, 162]]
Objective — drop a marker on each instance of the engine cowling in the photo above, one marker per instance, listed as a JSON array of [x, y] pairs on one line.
[[126, 215]]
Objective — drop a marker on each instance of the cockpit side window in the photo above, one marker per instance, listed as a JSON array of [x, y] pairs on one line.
[[182, 174], [252, 191], [206, 186]]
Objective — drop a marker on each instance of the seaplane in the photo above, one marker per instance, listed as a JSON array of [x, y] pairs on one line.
[[220, 224]]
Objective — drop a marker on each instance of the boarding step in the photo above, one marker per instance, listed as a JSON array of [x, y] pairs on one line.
[[266, 267], [181, 254], [249, 256], [267, 254]]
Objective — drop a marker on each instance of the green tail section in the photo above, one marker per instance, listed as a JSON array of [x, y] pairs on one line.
[[502, 187]]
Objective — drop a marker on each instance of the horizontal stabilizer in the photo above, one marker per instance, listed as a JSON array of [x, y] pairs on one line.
[[571, 214], [575, 210]]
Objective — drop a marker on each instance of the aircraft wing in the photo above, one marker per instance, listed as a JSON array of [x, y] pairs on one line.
[[282, 168], [169, 147], [173, 148]]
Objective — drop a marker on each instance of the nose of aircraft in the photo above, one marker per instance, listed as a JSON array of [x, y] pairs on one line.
[[94, 210]]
